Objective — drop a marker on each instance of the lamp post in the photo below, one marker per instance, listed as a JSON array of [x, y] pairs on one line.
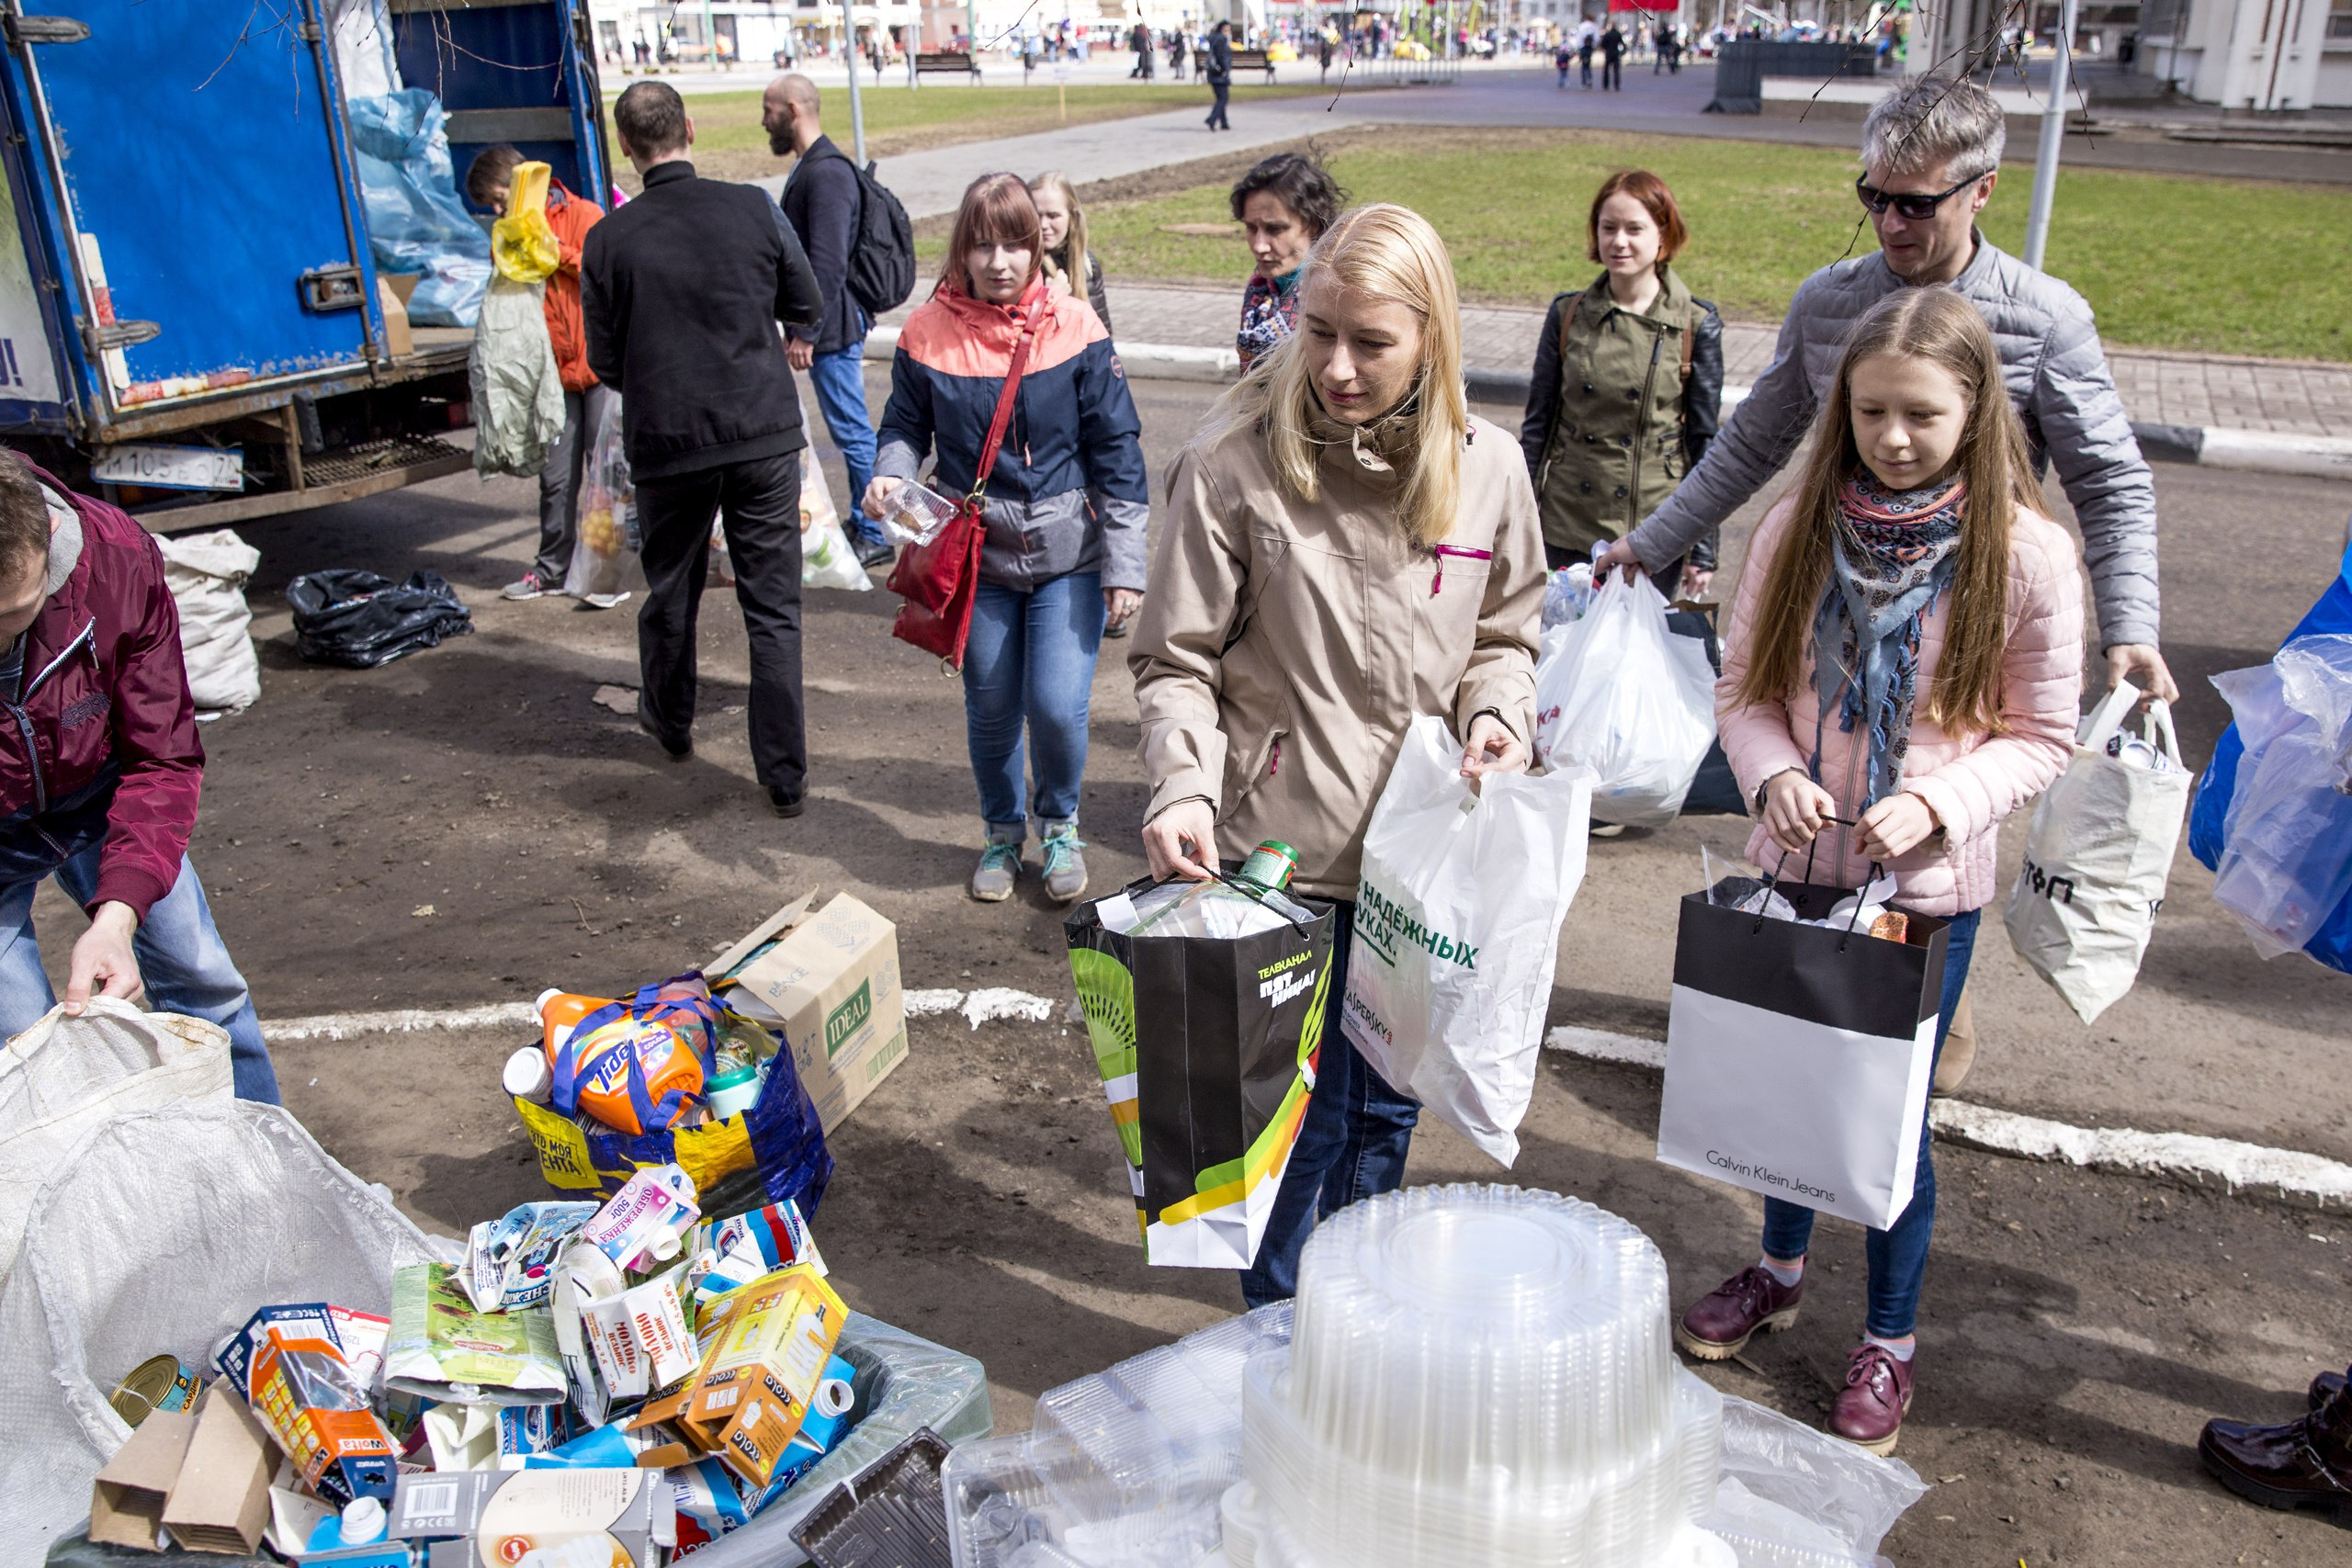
[[2053, 132], [856, 109]]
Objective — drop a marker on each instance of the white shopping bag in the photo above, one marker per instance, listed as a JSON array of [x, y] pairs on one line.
[[1628, 699], [1798, 1057], [2097, 855], [1457, 928]]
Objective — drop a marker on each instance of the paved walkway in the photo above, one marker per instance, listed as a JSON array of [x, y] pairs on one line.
[[2283, 397]]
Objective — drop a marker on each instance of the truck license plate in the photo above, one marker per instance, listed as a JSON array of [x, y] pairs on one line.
[[173, 468]]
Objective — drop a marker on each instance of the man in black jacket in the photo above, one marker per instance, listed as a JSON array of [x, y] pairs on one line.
[[822, 202], [1220, 73], [681, 289]]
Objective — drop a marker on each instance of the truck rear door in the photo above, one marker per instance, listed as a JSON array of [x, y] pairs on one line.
[[197, 173]]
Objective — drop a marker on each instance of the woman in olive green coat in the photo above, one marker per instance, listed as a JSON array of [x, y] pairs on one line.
[[1628, 385]]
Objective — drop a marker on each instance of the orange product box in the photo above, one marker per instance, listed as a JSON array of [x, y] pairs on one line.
[[763, 1369], [307, 1395]]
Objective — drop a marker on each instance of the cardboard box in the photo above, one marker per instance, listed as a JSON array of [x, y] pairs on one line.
[[831, 981], [398, 337], [762, 1373], [219, 1500], [290, 1357], [126, 1500], [505, 1514]]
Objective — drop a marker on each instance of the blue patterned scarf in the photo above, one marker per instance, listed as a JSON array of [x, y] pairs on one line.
[[1894, 559]]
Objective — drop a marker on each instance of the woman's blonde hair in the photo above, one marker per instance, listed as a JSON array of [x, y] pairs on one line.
[[1074, 247], [1380, 253], [1938, 326]]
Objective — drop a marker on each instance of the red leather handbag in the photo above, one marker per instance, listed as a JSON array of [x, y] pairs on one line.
[[939, 580]]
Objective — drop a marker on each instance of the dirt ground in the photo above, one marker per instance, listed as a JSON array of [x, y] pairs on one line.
[[466, 827]]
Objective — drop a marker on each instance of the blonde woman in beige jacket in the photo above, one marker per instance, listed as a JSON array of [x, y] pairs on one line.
[[1345, 550]]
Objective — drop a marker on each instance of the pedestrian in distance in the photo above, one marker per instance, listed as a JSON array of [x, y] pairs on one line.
[[1562, 58], [1627, 388], [488, 180], [1065, 504], [1219, 73], [1931, 154], [822, 202], [1612, 58], [1070, 264], [1284, 205], [1903, 669], [1346, 550], [100, 771], [1588, 40], [684, 288]]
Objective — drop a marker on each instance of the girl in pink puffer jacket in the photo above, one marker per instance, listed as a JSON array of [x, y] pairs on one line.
[[1903, 669]]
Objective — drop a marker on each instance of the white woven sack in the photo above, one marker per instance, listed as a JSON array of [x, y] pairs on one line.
[[2096, 858], [207, 574], [63, 1075], [164, 1231]]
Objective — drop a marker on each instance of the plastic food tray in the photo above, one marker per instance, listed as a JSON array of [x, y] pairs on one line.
[[893, 1515]]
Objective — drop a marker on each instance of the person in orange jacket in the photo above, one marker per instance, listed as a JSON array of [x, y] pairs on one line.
[[488, 180]]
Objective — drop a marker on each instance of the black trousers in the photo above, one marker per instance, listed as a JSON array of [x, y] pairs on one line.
[[1216, 110], [760, 500], [1612, 75]]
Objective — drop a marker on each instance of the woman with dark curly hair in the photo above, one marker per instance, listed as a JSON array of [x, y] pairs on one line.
[[1283, 204]]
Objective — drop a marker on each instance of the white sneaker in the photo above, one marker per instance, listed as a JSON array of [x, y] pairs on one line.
[[603, 601]]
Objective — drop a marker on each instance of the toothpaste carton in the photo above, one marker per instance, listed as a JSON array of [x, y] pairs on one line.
[[645, 1221], [508, 1259], [761, 1374], [731, 1253]]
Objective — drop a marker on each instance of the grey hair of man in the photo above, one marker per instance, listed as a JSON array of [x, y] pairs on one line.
[[1951, 130]]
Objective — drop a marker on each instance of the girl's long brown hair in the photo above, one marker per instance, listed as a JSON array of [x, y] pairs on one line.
[[1941, 327], [996, 210]]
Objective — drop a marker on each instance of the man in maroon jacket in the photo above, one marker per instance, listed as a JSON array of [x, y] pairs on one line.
[[101, 769]]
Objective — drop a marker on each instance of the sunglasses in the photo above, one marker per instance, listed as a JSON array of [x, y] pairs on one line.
[[1914, 204]]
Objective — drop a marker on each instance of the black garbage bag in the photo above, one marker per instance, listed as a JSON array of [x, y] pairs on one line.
[[359, 619]]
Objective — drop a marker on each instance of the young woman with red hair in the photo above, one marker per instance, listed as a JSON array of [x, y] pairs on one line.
[[1628, 384]]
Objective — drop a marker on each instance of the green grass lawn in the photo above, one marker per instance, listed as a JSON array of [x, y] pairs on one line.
[[2163, 259], [729, 144]]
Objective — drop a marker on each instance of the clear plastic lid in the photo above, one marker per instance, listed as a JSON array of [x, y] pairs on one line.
[[916, 515]]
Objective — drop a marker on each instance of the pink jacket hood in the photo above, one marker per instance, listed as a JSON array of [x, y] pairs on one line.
[[1971, 781]]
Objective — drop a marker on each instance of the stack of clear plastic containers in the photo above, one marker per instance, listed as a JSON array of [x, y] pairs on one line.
[[1478, 1375]]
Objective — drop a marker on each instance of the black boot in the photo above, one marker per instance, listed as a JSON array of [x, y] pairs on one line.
[[2304, 1463]]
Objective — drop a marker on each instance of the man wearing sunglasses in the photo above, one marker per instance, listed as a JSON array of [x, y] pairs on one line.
[[1931, 154]]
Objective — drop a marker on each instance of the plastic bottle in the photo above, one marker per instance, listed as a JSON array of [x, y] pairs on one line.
[[529, 1076], [363, 1521]]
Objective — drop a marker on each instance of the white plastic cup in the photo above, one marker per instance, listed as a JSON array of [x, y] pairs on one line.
[[529, 1076]]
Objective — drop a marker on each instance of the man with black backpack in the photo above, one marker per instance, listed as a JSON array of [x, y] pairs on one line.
[[862, 250]]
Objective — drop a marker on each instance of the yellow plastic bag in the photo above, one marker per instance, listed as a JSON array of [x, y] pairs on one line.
[[521, 243]]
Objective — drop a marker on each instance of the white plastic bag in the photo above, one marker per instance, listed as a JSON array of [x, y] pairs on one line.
[[607, 507], [827, 559], [1630, 700], [2097, 857], [2286, 858], [63, 1075], [1457, 930], [207, 574], [162, 1231], [517, 391]]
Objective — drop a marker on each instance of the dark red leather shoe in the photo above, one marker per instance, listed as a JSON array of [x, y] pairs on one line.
[[2305, 1464], [2325, 1387], [1870, 1409], [1720, 1323]]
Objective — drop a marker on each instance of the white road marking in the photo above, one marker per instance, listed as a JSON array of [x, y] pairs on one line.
[[2306, 1182]]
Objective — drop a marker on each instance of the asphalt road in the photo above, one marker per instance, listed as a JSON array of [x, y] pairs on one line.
[[467, 826]]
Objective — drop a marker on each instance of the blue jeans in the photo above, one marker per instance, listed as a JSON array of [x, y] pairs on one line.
[[180, 954], [1030, 663], [1899, 1256], [839, 380], [1352, 1144]]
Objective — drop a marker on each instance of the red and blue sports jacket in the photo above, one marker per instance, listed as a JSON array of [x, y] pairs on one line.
[[100, 744], [1068, 492]]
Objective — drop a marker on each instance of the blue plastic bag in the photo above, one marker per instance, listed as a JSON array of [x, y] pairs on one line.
[[415, 222], [2331, 945]]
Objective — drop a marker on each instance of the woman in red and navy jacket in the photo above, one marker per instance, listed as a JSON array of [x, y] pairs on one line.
[[1065, 508]]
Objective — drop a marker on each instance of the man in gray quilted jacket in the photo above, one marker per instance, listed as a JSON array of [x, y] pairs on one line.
[[1931, 153]]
